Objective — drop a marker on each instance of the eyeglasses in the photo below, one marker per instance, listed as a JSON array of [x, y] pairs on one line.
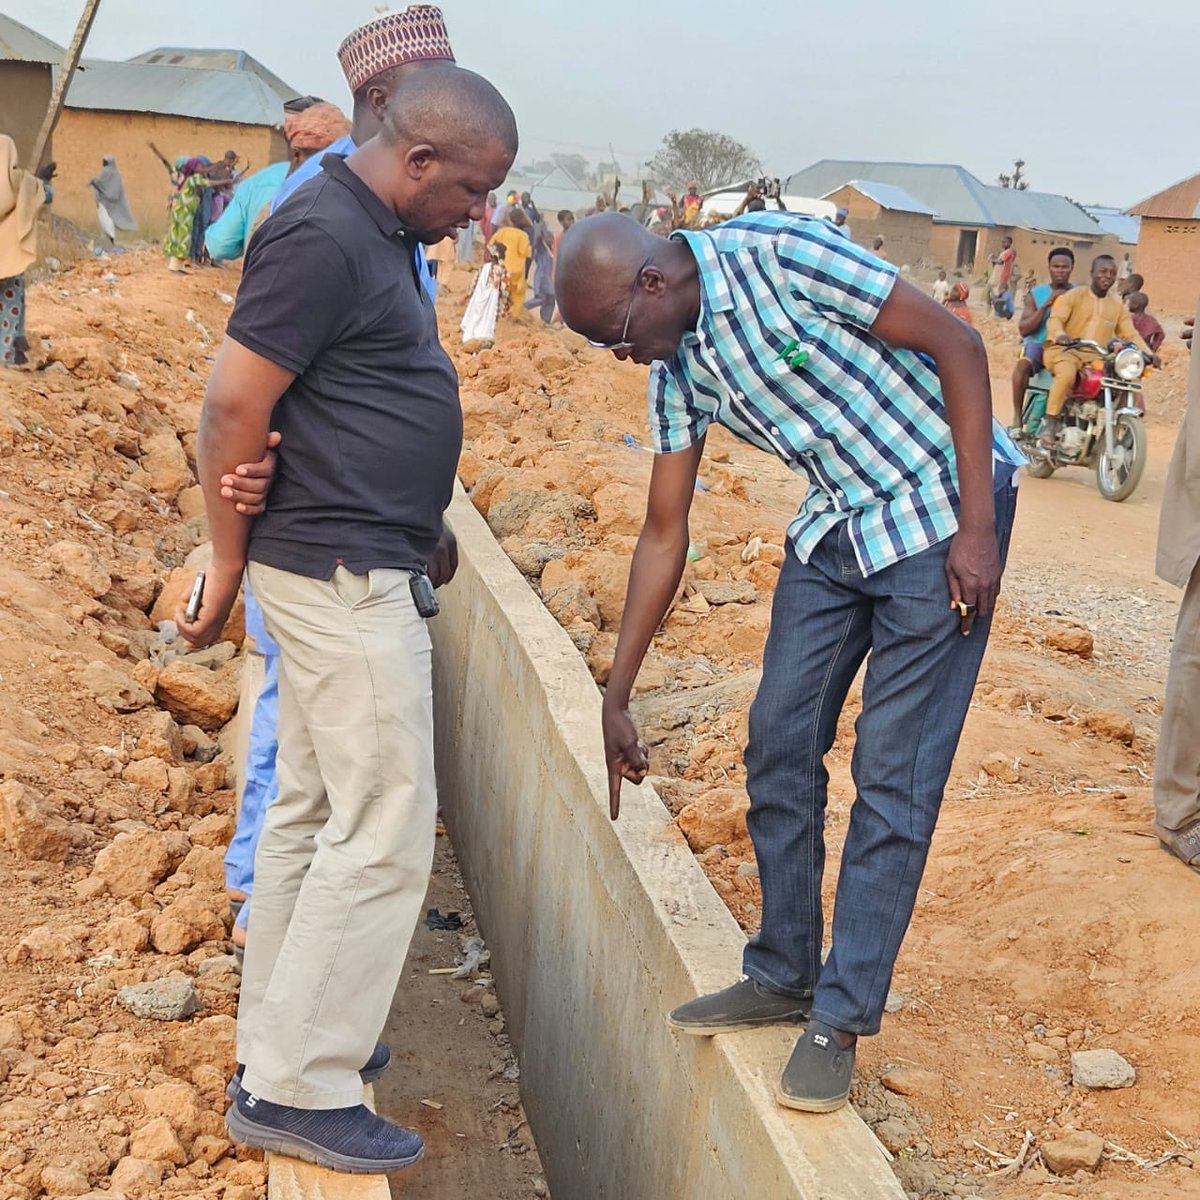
[[624, 343]]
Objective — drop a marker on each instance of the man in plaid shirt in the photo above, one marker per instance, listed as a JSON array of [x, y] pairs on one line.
[[810, 348]]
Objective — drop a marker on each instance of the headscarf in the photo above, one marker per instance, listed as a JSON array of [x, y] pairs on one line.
[[21, 195], [109, 190], [316, 127]]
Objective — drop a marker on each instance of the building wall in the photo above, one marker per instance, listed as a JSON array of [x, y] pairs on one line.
[[24, 99], [1168, 256], [1032, 248], [905, 235], [84, 137]]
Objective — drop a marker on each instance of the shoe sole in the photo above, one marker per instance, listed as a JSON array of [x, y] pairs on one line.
[[376, 1073], [734, 1027], [803, 1104], [262, 1137]]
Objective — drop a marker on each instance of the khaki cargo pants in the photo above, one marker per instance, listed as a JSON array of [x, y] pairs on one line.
[[345, 854]]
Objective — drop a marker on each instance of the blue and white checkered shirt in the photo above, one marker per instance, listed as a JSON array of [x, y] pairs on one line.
[[783, 356]]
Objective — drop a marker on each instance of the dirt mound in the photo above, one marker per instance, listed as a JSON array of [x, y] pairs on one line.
[[104, 889]]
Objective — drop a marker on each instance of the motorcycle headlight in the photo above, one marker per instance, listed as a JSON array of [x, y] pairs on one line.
[[1129, 364]]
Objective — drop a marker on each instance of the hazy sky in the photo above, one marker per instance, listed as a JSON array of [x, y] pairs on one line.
[[958, 81]]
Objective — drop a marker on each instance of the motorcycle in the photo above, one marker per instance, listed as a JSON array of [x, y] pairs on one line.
[[1102, 423]]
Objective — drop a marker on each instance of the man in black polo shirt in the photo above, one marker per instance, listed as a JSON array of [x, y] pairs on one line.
[[334, 343]]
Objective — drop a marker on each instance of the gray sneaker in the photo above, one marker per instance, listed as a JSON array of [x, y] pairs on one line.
[[817, 1076], [744, 1005]]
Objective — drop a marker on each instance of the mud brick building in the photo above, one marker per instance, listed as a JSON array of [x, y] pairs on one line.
[[27, 62], [1169, 246], [886, 211], [193, 102]]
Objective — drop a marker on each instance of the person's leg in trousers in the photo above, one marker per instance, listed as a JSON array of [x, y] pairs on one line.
[[1177, 767], [300, 811], [820, 631], [356, 663], [916, 693], [1064, 365], [261, 786]]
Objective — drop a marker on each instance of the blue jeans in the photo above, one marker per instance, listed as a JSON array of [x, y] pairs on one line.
[[261, 785], [826, 618]]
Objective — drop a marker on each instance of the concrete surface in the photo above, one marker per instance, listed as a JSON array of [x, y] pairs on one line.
[[597, 930]]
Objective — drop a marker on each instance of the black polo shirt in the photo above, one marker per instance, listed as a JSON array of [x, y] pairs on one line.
[[371, 425]]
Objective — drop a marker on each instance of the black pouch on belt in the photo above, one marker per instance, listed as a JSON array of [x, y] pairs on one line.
[[423, 595]]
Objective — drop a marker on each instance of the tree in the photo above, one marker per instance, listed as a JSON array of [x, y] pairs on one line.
[[703, 156], [1016, 180]]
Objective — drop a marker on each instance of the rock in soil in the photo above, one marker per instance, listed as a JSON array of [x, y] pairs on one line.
[[1101, 1069], [1076, 1152], [170, 999]]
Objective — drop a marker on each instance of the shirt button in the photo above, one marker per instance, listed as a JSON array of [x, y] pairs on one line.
[[775, 430], [740, 395]]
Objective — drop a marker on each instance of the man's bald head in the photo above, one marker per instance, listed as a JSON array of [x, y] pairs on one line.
[[617, 282], [446, 105], [448, 138]]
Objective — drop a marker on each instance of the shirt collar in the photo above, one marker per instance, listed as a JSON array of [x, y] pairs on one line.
[[715, 294], [389, 224]]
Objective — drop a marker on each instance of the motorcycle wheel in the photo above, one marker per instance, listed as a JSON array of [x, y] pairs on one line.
[[1117, 479]]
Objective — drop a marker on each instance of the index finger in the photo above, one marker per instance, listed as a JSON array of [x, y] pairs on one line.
[[615, 779]]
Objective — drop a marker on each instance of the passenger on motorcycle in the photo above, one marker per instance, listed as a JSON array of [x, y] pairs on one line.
[[1032, 324], [1082, 314]]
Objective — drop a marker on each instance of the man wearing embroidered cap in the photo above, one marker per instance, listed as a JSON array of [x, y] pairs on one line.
[[376, 58]]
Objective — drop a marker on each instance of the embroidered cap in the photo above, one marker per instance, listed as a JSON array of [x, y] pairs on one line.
[[419, 32]]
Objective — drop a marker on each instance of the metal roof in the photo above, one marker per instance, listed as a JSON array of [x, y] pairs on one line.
[[216, 60], [237, 97], [1181, 202], [888, 195], [955, 195], [1122, 226], [19, 43]]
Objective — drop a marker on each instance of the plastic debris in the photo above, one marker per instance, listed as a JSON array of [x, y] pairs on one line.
[[440, 920]]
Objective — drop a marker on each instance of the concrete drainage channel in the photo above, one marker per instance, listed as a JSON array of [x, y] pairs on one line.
[[597, 930]]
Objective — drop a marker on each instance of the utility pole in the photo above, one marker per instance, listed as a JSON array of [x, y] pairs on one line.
[[65, 71]]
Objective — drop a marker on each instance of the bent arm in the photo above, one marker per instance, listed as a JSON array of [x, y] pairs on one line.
[[1031, 317], [1127, 331], [657, 566], [1060, 314], [242, 392], [910, 320]]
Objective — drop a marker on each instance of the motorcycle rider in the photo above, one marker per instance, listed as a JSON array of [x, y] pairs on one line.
[[1035, 312], [1082, 314]]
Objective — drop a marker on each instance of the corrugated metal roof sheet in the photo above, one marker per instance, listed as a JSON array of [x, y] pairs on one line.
[[1180, 201], [1038, 210], [19, 43], [239, 97], [943, 187], [955, 195], [888, 195], [216, 60], [1122, 226]]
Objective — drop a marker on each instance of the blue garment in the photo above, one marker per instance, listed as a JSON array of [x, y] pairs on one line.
[[1040, 294], [311, 167], [827, 616], [783, 355], [261, 785], [227, 237]]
